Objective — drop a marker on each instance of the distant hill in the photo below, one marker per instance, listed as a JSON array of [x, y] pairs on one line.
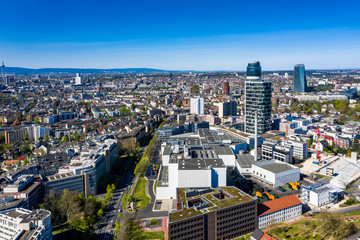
[[19, 70]]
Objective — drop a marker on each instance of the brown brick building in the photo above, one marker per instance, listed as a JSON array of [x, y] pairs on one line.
[[212, 214]]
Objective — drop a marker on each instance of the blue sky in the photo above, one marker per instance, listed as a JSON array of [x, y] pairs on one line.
[[183, 35]]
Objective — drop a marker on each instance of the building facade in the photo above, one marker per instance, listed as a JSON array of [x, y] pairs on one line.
[[279, 210], [197, 106], [19, 223], [211, 214], [320, 194], [275, 172], [228, 109], [226, 88], [257, 99], [300, 84]]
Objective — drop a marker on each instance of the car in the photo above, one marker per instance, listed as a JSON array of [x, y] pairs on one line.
[[358, 238]]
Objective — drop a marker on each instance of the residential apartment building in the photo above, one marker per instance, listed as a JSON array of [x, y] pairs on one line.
[[15, 135], [227, 109], [197, 106]]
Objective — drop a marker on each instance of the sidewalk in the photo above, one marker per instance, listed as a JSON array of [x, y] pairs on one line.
[[164, 227]]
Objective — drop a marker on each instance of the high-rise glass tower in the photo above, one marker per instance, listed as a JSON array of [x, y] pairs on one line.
[[300, 84], [257, 99]]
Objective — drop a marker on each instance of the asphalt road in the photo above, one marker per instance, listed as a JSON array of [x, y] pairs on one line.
[[105, 229]]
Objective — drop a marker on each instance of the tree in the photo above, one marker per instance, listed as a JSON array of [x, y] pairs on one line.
[[24, 148], [65, 139], [195, 89], [46, 138], [69, 205]]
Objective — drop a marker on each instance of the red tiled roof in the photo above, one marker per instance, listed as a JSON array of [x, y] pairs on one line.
[[267, 237], [278, 204]]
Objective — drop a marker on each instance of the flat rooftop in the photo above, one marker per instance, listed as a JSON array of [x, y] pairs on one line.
[[277, 167], [198, 164], [245, 160], [235, 197]]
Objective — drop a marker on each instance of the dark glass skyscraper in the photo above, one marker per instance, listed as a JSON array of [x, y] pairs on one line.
[[257, 99], [300, 84]]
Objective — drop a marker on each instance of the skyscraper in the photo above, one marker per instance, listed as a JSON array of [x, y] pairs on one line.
[[226, 88], [257, 99], [78, 79], [197, 106], [300, 84]]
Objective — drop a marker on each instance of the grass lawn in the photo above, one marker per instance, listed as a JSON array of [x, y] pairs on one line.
[[65, 231], [320, 175], [142, 199], [155, 184], [351, 214], [294, 231], [153, 235]]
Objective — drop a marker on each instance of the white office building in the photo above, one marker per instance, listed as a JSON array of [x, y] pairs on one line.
[[279, 210], [78, 79], [320, 194], [19, 223], [197, 106], [275, 172]]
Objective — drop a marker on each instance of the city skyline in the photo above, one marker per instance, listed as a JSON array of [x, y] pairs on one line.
[[203, 36]]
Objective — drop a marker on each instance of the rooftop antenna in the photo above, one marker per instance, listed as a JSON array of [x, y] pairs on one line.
[[3, 68]]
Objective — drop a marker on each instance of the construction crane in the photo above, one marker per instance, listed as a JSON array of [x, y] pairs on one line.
[[318, 144]]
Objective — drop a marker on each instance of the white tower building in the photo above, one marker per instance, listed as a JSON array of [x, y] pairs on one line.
[[78, 79], [197, 106]]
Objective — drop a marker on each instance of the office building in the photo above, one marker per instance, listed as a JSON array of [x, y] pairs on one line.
[[78, 79], [222, 213], [277, 152], [84, 171], [227, 109], [279, 210], [320, 194], [197, 106], [257, 98], [26, 187], [300, 148], [300, 84], [20, 223], [226, 88]]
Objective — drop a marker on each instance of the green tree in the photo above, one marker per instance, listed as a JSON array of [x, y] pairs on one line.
[[69, 205], [24, 148]]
